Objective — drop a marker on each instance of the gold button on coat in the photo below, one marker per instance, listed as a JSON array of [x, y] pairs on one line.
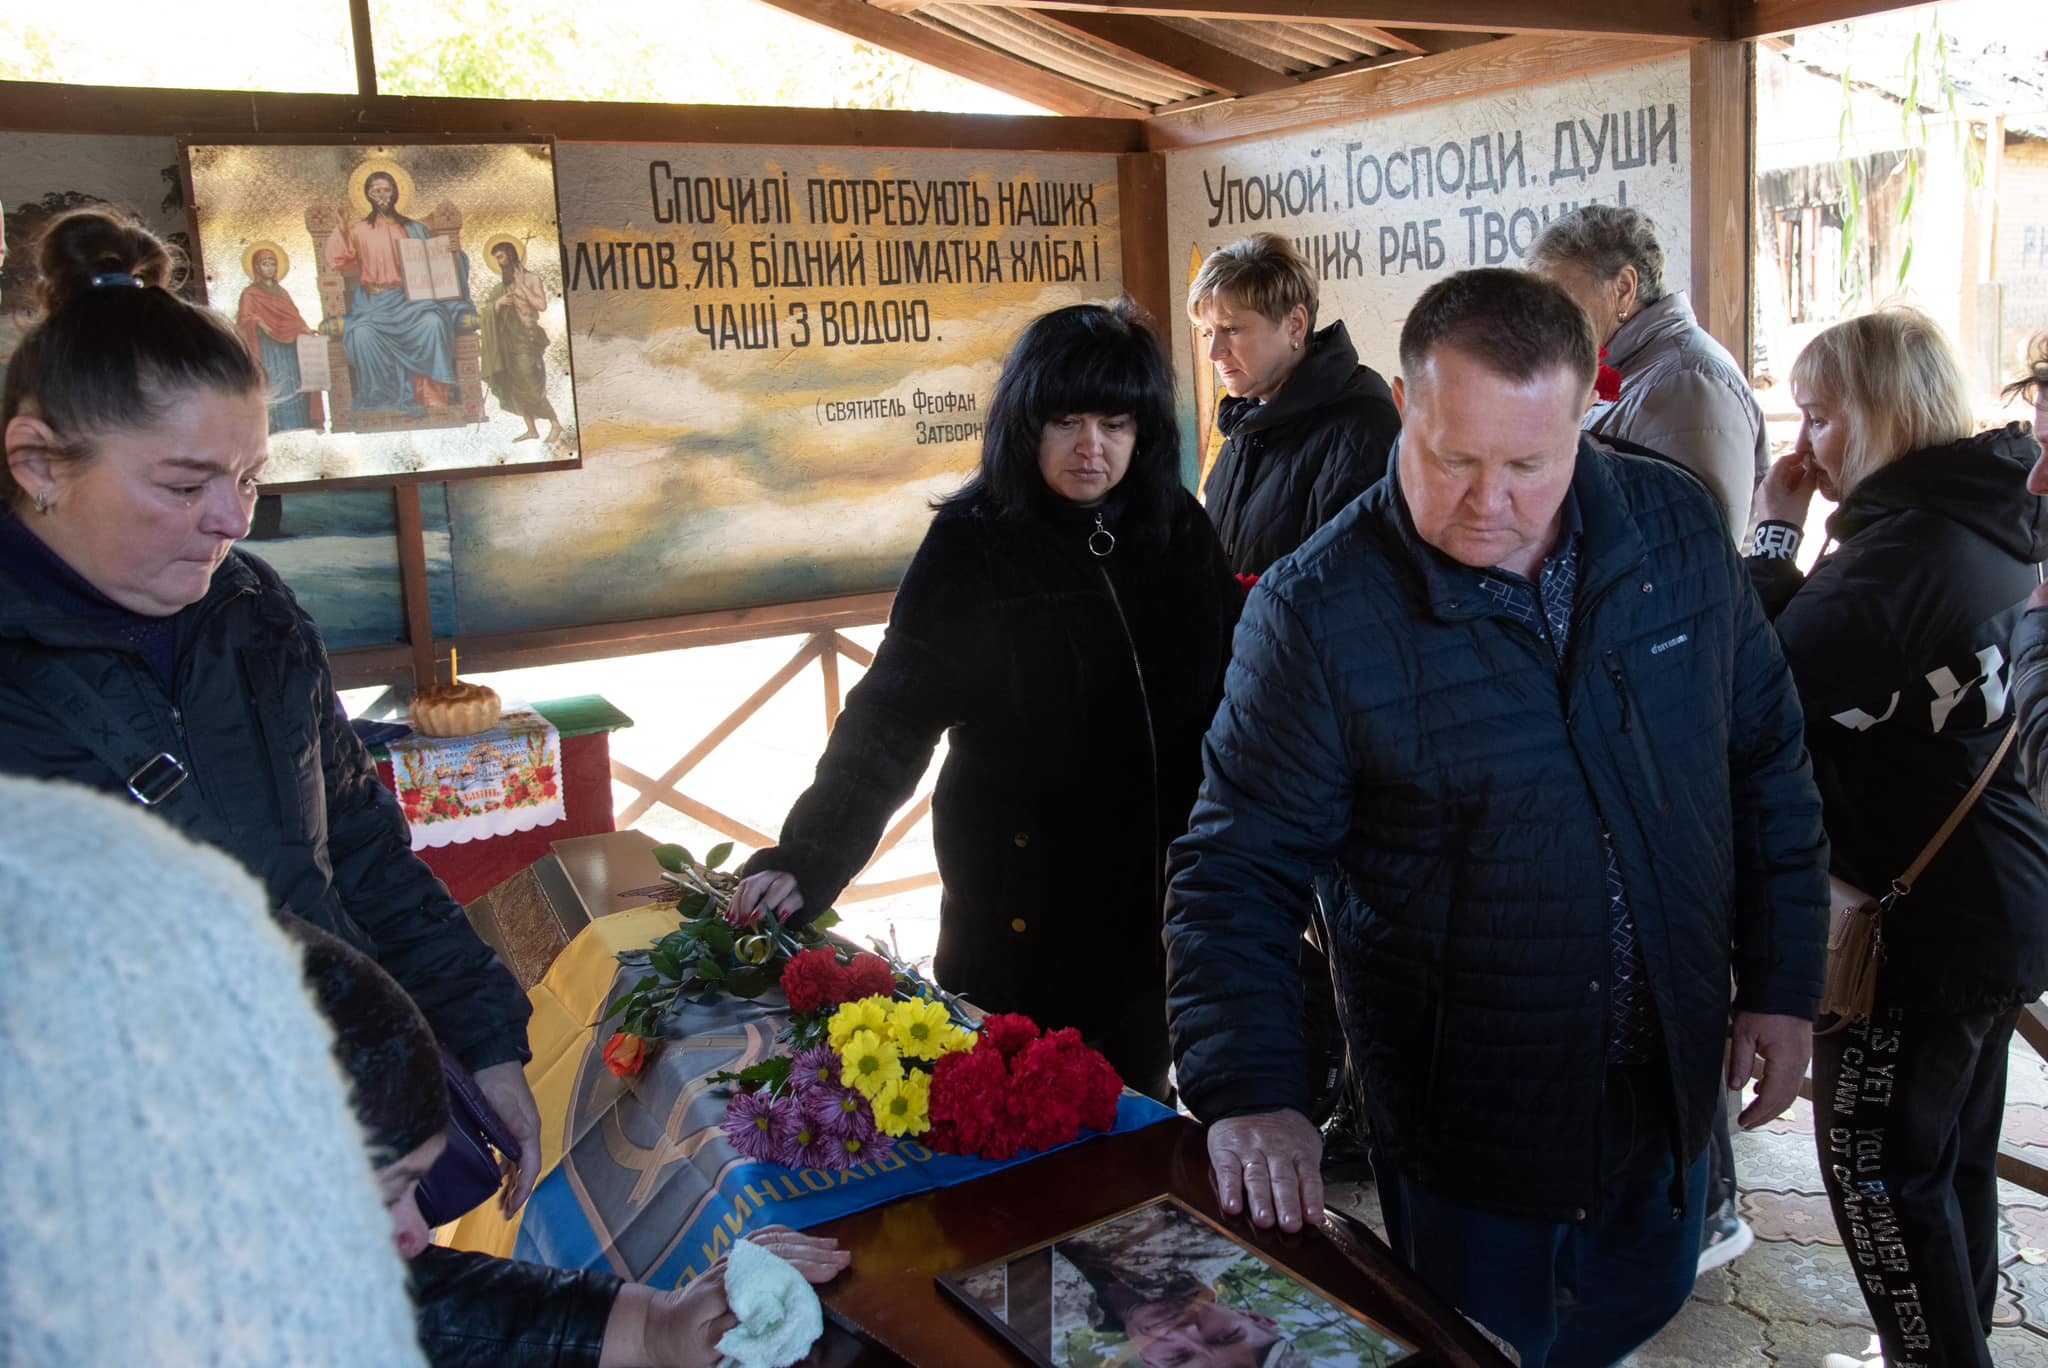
[[1021, 839], [1016, 924]]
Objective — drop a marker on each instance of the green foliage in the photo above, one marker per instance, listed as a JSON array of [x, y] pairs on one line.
[[706, 955]]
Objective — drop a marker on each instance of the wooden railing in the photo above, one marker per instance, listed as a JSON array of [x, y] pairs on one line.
[[825, 648]]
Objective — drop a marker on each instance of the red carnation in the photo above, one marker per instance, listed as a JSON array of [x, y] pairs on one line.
[[813, 980], [868, 976], [1009, 1032], [968, 1091], [1606, 381]]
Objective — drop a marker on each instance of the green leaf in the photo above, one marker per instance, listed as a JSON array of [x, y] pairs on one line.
[[718, 938], [825, 920], [694, 904], [667, 961], [673, 858], [770, 1073], [718, 854], [617, 1007], [710, 970], [747, 981]]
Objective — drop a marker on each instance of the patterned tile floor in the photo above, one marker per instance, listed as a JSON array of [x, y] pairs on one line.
[[1792, 1299]]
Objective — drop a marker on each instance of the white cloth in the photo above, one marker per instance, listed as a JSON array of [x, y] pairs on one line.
[[780, 1318], [181, 1178]]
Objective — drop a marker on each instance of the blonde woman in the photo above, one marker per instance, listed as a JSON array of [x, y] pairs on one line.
[[1897, 644]]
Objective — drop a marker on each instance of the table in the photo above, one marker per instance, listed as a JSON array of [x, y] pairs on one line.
[[890, 1297], [473, 868]]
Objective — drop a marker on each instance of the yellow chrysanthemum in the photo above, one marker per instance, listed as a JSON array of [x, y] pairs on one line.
[[871, 1063], [923, 1030], [904, 1106], [868, 1014]]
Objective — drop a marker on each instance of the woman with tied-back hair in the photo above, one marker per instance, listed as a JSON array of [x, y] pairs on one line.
[[1897, 643], [1065, 624], [141, 654], [1682, 395], [2030, 642]]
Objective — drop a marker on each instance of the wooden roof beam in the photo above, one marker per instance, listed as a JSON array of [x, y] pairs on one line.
[[923, 43], [1373, 33], [1683, 19], [1760, 18], [1526, 59], [1149, 43]]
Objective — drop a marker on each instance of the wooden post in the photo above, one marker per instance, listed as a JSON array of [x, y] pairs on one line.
[[1723, 191], [366, 51], [828, 665], [412, 583], [1141, 199]]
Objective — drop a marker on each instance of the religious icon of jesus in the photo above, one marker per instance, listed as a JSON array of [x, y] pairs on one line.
[[400, 345]]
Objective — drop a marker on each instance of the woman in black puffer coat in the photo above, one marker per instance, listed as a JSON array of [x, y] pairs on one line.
[[1897, 642], [1065, 624]]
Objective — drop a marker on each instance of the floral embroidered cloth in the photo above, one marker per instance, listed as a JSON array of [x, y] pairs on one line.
[[470, 788]]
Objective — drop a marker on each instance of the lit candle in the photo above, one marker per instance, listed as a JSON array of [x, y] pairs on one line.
[[453, 677]]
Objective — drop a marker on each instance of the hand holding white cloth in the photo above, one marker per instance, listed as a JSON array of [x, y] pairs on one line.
[[780, 1318]]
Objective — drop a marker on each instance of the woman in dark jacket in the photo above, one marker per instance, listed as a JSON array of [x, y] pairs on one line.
[[1065, 624], [1897, 643], [142, 655], [2030, 642], [1307, 427]]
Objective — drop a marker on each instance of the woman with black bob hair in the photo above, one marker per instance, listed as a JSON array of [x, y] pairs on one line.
[[1065, 625]]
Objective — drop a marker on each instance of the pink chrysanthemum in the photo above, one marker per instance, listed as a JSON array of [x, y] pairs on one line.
[[804, 1142], [753, 1127], [841, 1111], [815, 1069]]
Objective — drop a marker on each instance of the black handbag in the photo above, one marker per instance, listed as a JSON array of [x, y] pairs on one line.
[[467, 1174]]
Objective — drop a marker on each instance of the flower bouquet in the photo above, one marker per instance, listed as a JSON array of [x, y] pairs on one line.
[[870, 1068], [876, 1052]]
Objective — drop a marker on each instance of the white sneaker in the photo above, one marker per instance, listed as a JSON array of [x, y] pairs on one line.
[[1727, 1237], [1851, 1361]]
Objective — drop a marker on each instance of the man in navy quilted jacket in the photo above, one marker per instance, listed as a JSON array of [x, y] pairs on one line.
[[1522, 695]]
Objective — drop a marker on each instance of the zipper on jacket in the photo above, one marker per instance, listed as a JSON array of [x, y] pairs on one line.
[[1151, 739], [1645, 760]]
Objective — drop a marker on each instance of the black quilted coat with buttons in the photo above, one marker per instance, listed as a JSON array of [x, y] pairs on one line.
[[1290, 465], [1073, 750], [1379, 711]]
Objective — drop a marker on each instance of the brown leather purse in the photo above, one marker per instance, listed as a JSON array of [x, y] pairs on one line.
[[1856, 919]]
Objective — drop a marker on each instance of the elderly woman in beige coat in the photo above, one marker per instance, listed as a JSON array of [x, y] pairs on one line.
[[1682, 395]]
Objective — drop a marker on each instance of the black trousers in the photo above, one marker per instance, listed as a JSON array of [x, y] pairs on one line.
[[1907, 1110]]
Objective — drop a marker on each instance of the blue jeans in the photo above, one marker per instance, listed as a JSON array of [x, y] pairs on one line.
[[1576, 1295]]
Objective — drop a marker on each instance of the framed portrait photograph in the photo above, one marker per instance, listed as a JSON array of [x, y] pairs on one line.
[[404, 302], [1161, 1286]]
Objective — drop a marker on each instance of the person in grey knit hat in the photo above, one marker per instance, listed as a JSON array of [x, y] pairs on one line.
[[184, 1181], [476, 1310]]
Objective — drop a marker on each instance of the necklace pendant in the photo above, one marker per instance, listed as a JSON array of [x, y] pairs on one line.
[[1101, 541]]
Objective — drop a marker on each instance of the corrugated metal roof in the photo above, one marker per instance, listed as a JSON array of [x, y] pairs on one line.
[[1154, 63]]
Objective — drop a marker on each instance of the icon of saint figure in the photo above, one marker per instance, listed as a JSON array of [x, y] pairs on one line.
[[271, 325], [514, 343]]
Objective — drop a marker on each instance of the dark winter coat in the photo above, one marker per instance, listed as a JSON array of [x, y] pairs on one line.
[[2030, 701], [1898, 642], [1073, 692], [1382, 712], [1291, 464], [475, 1311], [278, 780]]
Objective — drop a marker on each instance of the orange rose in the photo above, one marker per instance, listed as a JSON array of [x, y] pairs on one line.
[[625, 1055]]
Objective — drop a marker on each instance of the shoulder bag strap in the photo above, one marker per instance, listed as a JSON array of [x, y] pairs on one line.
[[1903, 885], [84, 716]]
